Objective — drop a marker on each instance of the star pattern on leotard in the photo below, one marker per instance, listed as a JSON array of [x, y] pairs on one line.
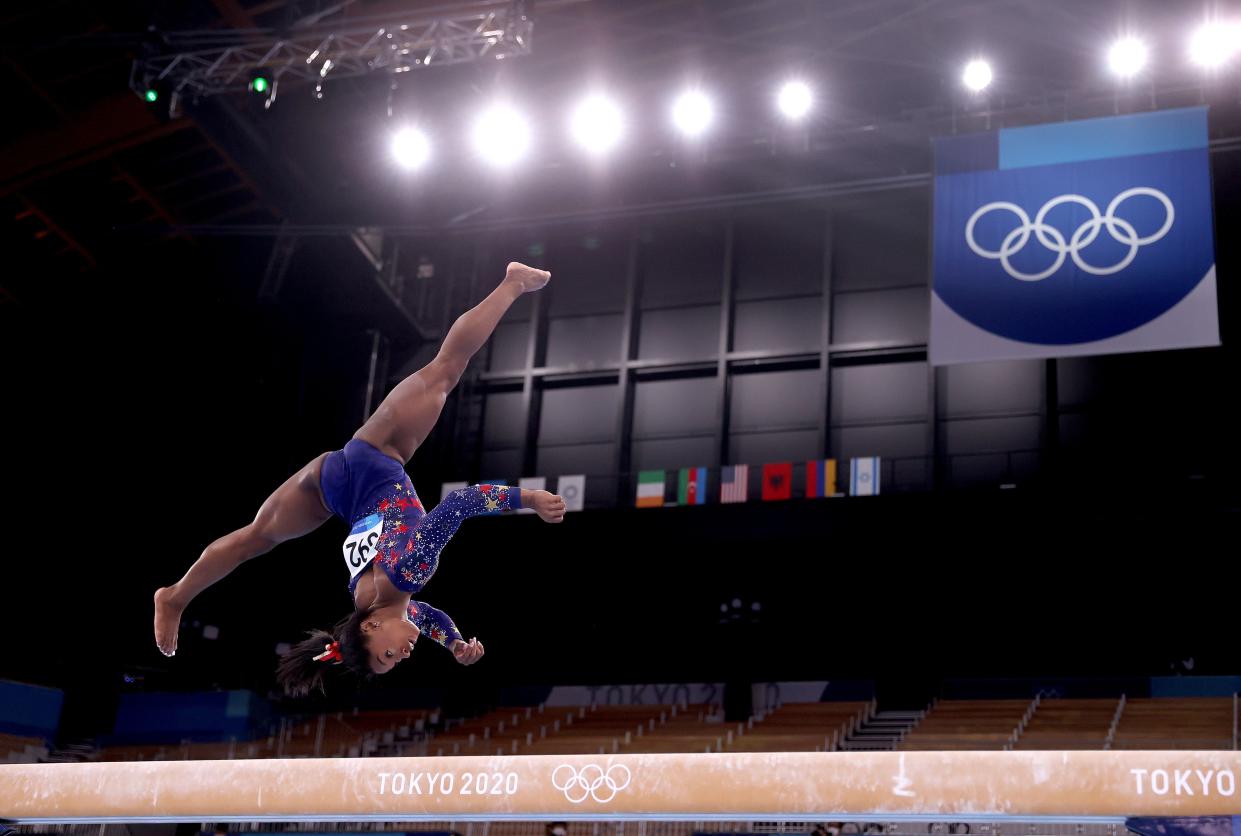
[[408, 549], [434, 624], [410, 540]]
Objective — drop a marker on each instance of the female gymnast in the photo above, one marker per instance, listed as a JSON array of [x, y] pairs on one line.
[[365, 484]]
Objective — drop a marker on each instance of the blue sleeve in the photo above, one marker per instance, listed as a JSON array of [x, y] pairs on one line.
[[413, 568], [435, 529], [434, 624]]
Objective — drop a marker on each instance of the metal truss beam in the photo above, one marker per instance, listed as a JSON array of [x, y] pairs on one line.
[[209, 62]]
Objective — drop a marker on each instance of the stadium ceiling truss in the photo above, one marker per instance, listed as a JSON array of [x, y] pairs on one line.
[[210, 62]]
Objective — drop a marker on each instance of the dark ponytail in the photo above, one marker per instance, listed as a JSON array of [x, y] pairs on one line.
[[298, 673]]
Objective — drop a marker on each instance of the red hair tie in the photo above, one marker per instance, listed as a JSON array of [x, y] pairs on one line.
[[331, 653]]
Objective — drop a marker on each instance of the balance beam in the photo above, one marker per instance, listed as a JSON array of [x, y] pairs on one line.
[[886, 786]]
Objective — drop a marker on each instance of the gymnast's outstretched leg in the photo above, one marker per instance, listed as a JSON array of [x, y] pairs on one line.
[[405, 418]]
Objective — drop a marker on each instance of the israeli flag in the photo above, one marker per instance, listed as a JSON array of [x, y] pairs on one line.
[[864, 476]]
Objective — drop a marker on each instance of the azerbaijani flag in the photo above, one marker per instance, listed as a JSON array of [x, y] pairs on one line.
[[692, 487], [820, 478], [650, 489]]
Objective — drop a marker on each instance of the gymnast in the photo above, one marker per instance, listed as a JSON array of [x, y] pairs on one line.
[[393, 545]]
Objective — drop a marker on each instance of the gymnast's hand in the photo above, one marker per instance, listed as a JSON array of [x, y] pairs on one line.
[[467, 653], [548, 506]]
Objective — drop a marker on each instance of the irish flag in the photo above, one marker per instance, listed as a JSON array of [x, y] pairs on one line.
[[692, 487], [650, 489]]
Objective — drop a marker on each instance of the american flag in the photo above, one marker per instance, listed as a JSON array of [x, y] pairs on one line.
[[733, 481]]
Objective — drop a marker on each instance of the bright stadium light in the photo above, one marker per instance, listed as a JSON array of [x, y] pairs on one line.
[[794, 99], [410, 148], [1127, 57], [977, 75], [501, 135], [597, 124], [692, 113], [1213, 44]]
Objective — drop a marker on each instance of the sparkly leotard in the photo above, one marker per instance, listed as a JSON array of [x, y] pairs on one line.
[[363, 485]]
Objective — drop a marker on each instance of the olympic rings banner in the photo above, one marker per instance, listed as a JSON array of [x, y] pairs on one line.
[[1077, 238]]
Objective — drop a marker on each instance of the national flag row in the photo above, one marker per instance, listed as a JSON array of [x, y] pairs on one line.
[[692, 486], [777, 483], [572, 489]]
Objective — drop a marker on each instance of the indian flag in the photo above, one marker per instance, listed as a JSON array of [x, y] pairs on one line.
[[650, 489], [692, 486]]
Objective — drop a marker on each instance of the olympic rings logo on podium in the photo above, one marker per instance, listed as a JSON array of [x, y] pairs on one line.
[[591, 781], [1051, 238]]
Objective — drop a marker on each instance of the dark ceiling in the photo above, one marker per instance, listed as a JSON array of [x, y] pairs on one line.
[[86, 157]]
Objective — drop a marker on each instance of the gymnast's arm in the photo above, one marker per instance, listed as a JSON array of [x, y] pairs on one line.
[[436, 625], [293, 510]]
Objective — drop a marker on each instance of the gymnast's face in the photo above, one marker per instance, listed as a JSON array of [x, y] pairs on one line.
[[389, 641]]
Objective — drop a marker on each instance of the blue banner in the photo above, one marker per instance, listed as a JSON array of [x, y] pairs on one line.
[[200, 716], [30, 710], [1184, 825], [1078, 238]]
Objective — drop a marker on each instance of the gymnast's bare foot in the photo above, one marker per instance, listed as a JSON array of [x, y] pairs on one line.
[[167, 620], [527, 278]]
